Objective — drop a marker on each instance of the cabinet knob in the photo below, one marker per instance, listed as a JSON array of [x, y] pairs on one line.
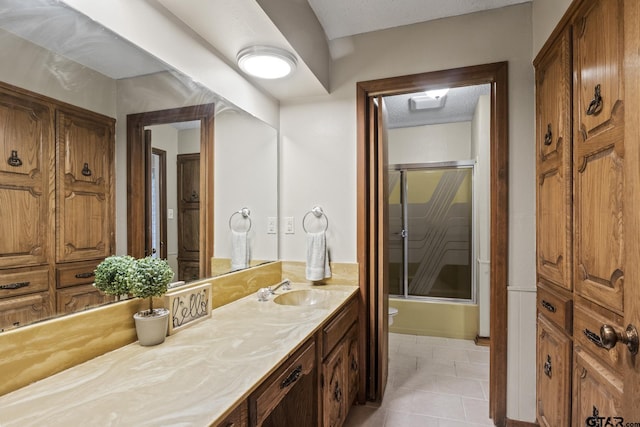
[[548, 137], [610, 337], [547, 366]]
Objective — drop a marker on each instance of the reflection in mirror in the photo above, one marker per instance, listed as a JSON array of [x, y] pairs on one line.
[[82, 74]]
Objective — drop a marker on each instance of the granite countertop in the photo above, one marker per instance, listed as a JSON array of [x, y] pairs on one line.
[[194, 378]]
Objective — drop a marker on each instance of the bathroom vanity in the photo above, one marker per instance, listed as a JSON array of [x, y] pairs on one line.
[[284, 362]]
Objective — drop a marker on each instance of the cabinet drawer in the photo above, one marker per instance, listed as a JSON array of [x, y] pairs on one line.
[[24, 310], [554, 375], [77, 273], [267, 398], [23, 281], [555, 307], [588, 319], [338, 326], [597, 392], [78, 298], [239, 417]]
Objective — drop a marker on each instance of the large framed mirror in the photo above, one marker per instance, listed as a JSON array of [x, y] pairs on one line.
[[64, 56]]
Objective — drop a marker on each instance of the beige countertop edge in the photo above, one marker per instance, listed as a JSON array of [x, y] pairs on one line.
[[196, 377]]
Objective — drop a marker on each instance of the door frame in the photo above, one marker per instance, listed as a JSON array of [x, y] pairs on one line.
[[496, 75], [162, 185], [136, 185]]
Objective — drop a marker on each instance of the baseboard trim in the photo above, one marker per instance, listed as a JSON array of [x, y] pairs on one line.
[[482, 341], [516, 423]]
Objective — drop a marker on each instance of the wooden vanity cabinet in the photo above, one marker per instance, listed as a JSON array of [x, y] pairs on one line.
[[339, 379], [289, 396], [317, 384], [239, 417]]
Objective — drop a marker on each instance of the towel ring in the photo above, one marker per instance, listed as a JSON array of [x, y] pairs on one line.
[[245, 212], [318, 213]]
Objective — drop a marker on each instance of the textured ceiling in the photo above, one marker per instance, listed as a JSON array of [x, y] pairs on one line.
[[459, 106], [341, 18]]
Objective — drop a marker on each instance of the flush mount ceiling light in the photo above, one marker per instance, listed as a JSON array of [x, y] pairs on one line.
[[266, 62]]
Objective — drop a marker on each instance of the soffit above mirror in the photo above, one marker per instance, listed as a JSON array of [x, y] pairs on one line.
[[54, 28]]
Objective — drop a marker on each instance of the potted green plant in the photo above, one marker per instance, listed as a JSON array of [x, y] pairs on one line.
[[143, 278]]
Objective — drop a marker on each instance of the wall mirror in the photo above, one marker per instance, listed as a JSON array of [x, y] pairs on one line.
[[63, 55]]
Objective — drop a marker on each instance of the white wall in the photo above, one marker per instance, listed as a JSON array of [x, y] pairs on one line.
[[546, 15], [433, 143], [245, 176], [318, 138], [480, 149]]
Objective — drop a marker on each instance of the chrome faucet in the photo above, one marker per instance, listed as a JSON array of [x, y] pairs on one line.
[[285, 284]]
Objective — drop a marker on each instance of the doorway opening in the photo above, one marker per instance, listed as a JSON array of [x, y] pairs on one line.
[[373, 230]]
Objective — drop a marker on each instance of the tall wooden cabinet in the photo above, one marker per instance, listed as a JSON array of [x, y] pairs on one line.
[[189, 216], [56, 205], [580, 214]]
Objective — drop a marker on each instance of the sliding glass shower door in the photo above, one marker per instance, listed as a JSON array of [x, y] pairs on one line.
[[430, 227]]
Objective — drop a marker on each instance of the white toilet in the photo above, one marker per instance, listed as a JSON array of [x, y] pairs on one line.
[[392, 312]]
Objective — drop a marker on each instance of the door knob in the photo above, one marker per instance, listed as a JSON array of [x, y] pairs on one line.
[[610, 337]]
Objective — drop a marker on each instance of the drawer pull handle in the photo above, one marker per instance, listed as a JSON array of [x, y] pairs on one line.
[[548, 306], [292, 377], [593, 337], [596, 103], [14, 160], [547, 366], [16, 285], [548, 137], [85, 275]]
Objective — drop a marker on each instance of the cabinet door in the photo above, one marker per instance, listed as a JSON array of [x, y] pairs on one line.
[[554, 375], [553, 144], [26, 193], [334, 387], [84, 166], [597, 393], [599, 247], [189, 208]]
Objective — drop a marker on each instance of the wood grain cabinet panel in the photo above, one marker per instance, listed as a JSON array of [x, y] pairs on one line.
[[84, 159], [79, 298], [26, 173], [239, 417], [553, 375], [597, 392], [188, 216], [24, 310], [599, 153], [553, 144]]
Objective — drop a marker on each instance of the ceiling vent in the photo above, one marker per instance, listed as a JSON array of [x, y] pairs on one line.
[[430, 100]]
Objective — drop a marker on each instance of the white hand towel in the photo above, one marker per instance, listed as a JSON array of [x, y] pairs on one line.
[[317, 257], [239, 250]]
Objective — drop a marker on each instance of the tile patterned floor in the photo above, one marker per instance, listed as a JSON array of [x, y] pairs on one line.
[[433, 382]]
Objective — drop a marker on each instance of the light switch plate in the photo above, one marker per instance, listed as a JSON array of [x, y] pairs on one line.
[[169, 213], [289, 225]]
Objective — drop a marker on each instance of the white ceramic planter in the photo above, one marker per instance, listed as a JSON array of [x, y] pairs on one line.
[[152, 330]]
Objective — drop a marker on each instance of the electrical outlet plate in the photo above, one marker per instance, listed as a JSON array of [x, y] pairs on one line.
[[272, 225]]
